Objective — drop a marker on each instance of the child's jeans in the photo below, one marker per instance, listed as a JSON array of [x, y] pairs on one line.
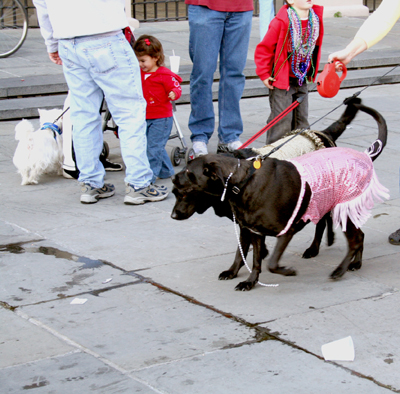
[[158, 132], [279, 100]]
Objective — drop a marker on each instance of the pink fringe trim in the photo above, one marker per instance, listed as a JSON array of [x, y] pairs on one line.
[[358, 209]]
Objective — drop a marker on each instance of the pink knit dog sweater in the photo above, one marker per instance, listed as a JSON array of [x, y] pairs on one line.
[[342, 180]]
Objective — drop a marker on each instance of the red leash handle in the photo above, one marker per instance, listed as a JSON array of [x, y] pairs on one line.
[[272, 123]]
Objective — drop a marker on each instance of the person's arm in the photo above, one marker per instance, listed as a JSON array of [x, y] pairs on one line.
[[372, 31], [357, 46], [46, 30], [173, 87], [264, 55]]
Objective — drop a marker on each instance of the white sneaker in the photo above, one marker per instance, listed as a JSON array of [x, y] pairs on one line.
[[200, 148], [234, 145], [230, 147]]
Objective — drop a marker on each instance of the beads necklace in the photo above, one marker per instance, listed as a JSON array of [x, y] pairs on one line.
[[302, 44]]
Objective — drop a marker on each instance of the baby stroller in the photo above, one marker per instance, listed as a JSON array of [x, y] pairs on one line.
[[177, 153]]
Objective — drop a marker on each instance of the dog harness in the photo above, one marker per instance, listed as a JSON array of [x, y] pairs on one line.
[[342, 180], [53, 127], [289, 147]]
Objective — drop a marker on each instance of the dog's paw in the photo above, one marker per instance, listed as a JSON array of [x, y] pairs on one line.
[[356, 265], [245, 286], [337, 273], [285, 271], [227, 275], [310, 253]]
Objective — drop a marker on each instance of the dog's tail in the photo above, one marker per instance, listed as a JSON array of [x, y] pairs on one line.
[[335, 130], [22, 129], [375, 149]]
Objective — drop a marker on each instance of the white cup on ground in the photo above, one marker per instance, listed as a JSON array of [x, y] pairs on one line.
[[340, 350]]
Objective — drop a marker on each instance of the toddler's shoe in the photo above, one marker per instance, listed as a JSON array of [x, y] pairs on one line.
[[92, 194], [199, 148], [150, 193]]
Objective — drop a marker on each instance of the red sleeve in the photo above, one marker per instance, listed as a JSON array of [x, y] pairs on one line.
[[264, 54], [171, 84]]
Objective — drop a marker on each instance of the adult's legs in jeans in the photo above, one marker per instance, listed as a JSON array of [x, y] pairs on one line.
[[158, 132], [85, 100], [233, 56], [206, 30], [122, 88]]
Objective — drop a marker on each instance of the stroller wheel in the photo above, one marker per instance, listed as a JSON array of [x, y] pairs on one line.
[[189, 155], [106, 150], [175, 156]]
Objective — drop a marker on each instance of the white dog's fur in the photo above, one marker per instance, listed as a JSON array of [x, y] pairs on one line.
[[38, 152]]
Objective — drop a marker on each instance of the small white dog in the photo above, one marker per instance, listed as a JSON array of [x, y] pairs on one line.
[[39, 152]]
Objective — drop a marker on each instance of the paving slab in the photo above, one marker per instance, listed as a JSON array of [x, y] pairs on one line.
[[22, 284], [376, 350], [72, 373], [148, 326], [23, 342], [260, 368]]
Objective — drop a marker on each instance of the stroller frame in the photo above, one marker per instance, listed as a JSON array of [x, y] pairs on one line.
[[177, 153]]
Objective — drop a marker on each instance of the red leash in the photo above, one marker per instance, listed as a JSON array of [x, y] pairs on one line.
[[273, 122]]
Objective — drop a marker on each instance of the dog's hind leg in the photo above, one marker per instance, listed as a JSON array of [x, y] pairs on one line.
[[273, 262], [25, 176], [353, 259], [259, 249], [313, 249]]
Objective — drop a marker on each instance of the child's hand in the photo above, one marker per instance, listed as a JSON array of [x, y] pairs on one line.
[[172, 96], [268, 82]]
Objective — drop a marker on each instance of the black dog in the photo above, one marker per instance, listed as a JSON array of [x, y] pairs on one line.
[[191, 198], [189, 201]]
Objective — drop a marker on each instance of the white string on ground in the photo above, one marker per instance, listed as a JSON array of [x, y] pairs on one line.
[[242, 254]]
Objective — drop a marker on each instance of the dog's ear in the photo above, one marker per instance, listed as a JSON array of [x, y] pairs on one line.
[[214, 171]]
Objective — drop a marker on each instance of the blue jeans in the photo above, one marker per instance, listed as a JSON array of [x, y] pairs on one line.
[[158, 132], [226, 34], [106, 65]]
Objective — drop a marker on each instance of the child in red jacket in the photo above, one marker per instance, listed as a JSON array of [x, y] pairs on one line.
[[160, 87], [288, 57]]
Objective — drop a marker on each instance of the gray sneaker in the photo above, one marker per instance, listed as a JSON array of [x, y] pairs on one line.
[[92, 194], [149, 193]]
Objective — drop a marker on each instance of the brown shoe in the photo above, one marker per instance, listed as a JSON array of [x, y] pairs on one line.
[[394, 238]]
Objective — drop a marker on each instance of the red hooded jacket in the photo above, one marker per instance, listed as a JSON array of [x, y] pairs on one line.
[[268, 51], [156, 87]]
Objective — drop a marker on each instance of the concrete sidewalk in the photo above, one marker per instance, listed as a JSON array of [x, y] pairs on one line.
[[157, 320]]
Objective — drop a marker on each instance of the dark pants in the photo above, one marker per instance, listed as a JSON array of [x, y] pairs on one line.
[[279, 100]]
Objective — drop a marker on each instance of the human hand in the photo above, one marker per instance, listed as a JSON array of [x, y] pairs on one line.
[[356, 47], [342, 56], [268, 83], [172, 96], [55, 58]]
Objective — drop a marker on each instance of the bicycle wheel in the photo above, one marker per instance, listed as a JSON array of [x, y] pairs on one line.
[[13, 26]]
